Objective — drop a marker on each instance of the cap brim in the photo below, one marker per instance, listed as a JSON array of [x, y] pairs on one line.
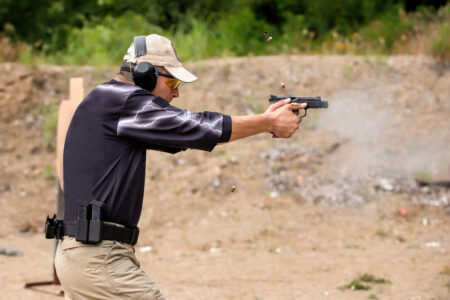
[[181, 74]]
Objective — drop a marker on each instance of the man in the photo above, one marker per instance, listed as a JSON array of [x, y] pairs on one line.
[[104, 165]]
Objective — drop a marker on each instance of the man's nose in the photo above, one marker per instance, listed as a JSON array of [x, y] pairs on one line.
[[176, 93]]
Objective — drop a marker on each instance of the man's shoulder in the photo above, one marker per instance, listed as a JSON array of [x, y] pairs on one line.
[[114, 91], [114, 86]]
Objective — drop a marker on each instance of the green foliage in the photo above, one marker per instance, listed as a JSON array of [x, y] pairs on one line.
[[192, 39], [48, 172], [441, 44], [345, 15], [28, 57], [423, 175], [357, 285], [381, 232], [445, 270], [99, 32], [372, 279], [384, 32], [241, 33], [50, 113], [364, 281], [104, 44]]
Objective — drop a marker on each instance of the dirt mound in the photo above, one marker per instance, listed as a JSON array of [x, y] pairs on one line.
[[254, 203]]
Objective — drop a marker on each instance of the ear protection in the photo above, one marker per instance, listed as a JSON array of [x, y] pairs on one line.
[[144, 74]]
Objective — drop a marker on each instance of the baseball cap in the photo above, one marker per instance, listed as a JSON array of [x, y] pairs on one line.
[[160, 52]]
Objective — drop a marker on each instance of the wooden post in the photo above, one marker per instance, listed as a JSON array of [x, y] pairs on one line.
[[66, 110]]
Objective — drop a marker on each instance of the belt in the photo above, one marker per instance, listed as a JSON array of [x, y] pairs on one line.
[[109, 232]]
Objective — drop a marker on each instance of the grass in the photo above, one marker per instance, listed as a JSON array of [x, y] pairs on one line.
[[49, 174], [445, 270], [381, 232], [50, 113], [423, 175], [372, 279], [176, 191], [274, 249], [347, 71], [413, 246], [441, 44], [354, 246], [400, 238], [364, 282]]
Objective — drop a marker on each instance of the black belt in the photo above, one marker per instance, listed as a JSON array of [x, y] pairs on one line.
[[109, 232]]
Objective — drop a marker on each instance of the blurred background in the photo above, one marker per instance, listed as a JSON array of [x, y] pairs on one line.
[[96, 32]]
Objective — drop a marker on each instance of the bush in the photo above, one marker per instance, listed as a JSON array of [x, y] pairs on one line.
[[241, 33], [192, 39], [50, 113], [441, 44], [382, 34], [106, 43]]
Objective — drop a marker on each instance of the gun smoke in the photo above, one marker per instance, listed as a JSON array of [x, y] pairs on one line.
[[380, 143]]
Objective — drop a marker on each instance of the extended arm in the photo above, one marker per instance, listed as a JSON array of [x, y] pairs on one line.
[[278, 119]]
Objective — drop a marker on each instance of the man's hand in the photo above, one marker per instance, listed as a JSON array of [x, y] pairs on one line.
[[279, 118], [282, 118]]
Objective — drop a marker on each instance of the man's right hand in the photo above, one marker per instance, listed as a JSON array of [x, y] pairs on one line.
[[283, 121]]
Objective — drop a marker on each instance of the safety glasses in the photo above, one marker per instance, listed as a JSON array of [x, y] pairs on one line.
[[171, 81]]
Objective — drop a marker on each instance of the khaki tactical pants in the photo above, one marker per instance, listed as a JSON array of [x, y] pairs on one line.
[[108, 270]]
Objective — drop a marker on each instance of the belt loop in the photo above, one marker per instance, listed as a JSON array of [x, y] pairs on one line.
[[82, 223], [95, 224], [134, 236], [59, 230]]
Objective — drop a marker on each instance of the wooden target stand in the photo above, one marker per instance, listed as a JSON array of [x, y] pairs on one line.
[[66, 110]]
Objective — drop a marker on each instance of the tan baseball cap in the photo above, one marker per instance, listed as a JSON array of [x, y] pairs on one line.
[[160, 52]]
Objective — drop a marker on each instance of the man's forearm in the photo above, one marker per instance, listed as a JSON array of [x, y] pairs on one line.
[[244, 126], [278, 119]]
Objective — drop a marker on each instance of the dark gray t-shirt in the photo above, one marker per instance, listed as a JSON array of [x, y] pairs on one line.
[[105, 147]]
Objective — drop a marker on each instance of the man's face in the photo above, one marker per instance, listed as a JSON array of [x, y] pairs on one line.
[[162, 89]]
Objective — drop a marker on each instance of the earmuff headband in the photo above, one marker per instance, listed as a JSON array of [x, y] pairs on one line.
[[140, 48]]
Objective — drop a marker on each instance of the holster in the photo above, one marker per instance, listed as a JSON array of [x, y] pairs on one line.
[[53, 228], [89, 223], [95, 224]]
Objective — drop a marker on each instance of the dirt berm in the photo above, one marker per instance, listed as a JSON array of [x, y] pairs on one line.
[[309, 214]]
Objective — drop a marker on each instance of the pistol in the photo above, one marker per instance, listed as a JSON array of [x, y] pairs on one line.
[[312, 102]]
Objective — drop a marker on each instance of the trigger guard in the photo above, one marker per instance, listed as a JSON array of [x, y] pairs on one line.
[[304, 114]]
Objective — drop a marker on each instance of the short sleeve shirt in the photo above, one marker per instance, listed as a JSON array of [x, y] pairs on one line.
[[107, 140]]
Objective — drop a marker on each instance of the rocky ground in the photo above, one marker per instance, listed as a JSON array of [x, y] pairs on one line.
[[262, 218]]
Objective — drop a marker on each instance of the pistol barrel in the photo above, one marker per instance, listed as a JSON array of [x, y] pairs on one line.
[[312, 102]]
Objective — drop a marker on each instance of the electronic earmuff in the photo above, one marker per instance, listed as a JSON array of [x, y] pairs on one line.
[[144, 74]]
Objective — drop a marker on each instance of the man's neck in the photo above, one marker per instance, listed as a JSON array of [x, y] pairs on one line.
[[124, 77]]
